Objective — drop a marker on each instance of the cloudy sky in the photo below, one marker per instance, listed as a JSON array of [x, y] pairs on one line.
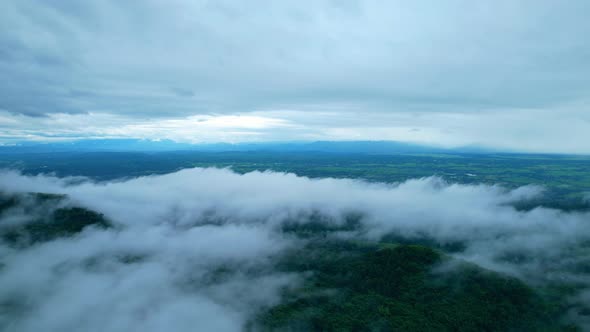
[[507, 74]]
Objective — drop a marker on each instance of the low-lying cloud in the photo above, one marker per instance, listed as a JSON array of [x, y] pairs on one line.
[[194, 248]]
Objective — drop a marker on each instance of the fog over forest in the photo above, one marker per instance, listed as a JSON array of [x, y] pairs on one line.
[[197, 248], [294, 166]]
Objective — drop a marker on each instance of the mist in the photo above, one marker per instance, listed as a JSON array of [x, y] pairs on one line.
[[195, 249]]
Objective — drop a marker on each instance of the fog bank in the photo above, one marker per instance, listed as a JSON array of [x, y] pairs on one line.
[[193, 249]]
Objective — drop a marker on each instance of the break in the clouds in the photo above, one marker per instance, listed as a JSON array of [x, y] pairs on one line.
[[173, 233], [508, 74]]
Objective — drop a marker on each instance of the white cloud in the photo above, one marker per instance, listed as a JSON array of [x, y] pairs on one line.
[[144, 68], [184, 226], [563, 130]]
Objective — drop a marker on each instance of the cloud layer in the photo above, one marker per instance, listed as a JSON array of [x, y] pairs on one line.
[[180, 230], [136, 63]]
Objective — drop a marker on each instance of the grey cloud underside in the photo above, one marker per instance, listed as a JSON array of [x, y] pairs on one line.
[[178, 58], [189, 224]]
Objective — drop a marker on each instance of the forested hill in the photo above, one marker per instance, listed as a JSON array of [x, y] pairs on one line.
[[351, 284]]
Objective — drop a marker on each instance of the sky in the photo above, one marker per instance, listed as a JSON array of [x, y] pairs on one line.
[[504, 74]]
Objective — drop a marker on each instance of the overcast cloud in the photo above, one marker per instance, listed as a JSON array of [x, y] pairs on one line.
[[505, 74]]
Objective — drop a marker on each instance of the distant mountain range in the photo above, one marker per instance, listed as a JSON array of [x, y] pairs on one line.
[[138, 145]]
